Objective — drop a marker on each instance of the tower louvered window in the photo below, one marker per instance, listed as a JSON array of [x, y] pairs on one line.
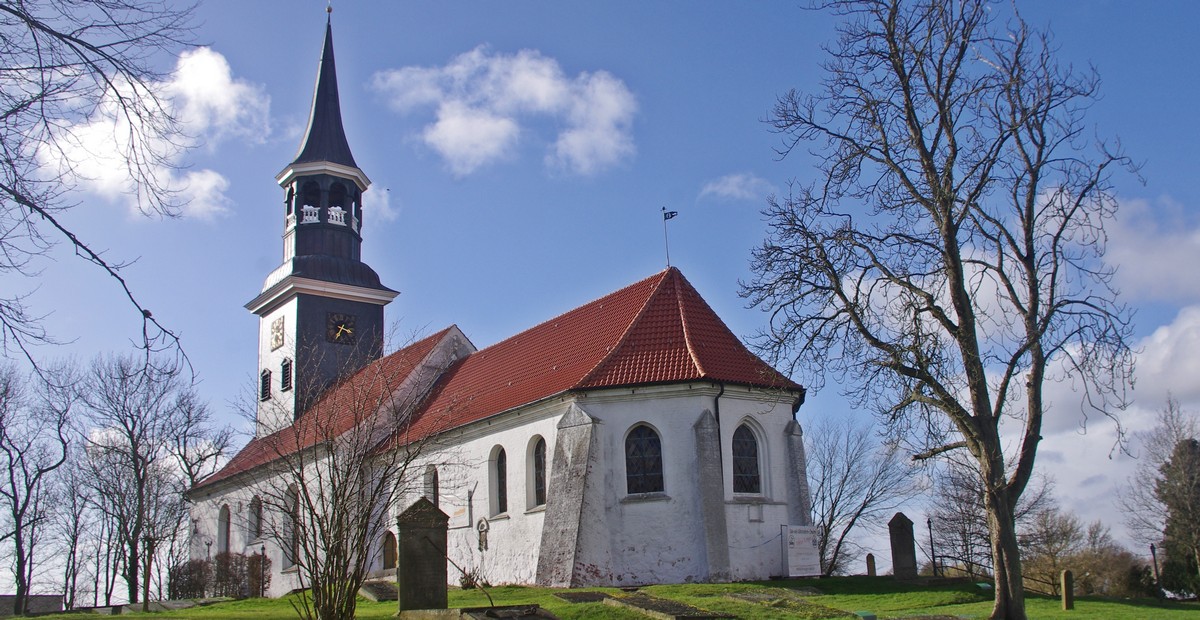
[[264, 385], [285, 375], [643, 461]]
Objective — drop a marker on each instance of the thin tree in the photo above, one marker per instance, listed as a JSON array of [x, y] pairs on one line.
[[63, 63], [1050, 542], [337, 474], [34, 442], [856, 481], [136, 420], [959, 517], [71, 526], [948, 260]]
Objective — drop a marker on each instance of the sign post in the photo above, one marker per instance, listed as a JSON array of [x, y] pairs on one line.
[[803, 556]]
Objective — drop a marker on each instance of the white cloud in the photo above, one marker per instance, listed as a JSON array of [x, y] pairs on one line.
[[204, 192], [211, 103], [485, 102], [103, 154], [740, 186], [1154, 245], [1169, 361], [468, 138], [377, 203]]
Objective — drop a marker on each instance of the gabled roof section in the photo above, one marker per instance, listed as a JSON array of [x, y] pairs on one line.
[[656, 331], [346, 404], [325, 138]]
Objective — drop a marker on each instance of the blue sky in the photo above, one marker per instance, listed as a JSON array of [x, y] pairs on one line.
[[495, 209]]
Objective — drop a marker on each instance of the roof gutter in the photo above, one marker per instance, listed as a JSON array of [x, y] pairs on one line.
[[799, 401]]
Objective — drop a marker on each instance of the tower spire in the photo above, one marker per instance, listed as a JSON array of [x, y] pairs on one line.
[[325, 138]]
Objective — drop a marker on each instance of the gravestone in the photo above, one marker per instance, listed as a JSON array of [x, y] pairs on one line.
[[870, 564], [904, 549], [421, 558], [1068, 590]]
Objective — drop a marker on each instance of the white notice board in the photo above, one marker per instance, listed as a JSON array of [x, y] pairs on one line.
[[803, 559]]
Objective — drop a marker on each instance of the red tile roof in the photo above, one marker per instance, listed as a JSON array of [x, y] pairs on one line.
[[656, 331], [335, 412]]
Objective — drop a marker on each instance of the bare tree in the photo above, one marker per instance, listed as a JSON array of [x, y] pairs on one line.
[[1145, 514], [855, 480], [1050, 542], [337, 474], [71, 526], [33, 445], [948, 261], [64, 63], [1053, 540], [959, 517], [143, 430]]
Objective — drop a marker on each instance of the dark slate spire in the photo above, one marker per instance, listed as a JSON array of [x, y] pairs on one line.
[[325, 139]]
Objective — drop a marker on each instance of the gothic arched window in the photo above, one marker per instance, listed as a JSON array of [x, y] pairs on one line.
[[256, 518], [223, 530], [643, 461], [291, 530], [537, 473], [389, 550], [499, 481], [431, 484], [746, 476]]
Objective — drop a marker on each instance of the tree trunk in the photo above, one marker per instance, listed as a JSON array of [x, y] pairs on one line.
[[131, 573], [1006, 555], [19, 572]]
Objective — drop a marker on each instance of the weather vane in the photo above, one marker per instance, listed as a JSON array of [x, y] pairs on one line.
[[666, 243]]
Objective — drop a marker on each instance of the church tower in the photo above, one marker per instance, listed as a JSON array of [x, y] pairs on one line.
[[321, 311]]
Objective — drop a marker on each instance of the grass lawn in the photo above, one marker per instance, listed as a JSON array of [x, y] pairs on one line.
[[793, 599]]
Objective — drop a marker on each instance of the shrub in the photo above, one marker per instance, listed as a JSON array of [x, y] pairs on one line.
[[190, 579]]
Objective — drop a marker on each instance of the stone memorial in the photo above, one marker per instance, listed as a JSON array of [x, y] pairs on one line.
[[421, 560], [904, 548], [870, 564]]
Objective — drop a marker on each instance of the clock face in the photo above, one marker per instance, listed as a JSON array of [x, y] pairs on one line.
[[339, 328], [277, 333]]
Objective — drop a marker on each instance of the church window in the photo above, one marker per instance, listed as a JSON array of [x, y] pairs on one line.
[[264, 385], [746, 477], [285, 375], [223, 530], [256, 518], [643, 461], [389, 550], [291, 529], [431, 484], [537, 473], [499, 481]]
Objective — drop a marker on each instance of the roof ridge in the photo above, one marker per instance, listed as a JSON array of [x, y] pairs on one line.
[[571, 311], [271, 443], [662, 277], [683, 319]]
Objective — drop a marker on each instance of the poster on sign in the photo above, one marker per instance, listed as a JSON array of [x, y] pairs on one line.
[[803, 558]]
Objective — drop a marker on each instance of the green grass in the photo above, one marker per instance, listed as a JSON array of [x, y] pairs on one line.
[[839, 598]]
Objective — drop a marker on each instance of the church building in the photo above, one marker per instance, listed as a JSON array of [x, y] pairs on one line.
[[632, 440]]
